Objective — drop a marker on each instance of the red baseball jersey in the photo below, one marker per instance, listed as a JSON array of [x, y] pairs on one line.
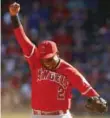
[[51, 90]]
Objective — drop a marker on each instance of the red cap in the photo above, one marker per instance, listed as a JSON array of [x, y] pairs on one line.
[[47, 49]]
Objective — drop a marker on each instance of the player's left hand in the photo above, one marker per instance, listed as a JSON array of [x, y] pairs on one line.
[[97, 104]]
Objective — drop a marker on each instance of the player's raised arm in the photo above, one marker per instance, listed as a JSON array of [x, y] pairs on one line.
[[26, 45]]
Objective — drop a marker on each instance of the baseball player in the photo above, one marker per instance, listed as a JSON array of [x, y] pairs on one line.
[[52, 77]]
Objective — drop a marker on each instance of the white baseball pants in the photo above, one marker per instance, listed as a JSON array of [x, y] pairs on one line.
[[67, 115]]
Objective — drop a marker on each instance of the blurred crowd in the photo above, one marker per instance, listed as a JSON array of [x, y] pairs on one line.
[[81, 32]]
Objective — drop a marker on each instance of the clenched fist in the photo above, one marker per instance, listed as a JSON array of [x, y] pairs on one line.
[[14, 9]]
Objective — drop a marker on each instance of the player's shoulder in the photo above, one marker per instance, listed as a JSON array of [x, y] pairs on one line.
[[67, 67], [33, 59]]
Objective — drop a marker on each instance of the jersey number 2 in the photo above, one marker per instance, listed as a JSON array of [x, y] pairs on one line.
[[61, 93]]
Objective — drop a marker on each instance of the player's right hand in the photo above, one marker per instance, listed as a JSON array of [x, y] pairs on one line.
[[14, 9]]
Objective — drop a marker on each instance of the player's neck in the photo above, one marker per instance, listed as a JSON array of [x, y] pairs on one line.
[[57, 64]]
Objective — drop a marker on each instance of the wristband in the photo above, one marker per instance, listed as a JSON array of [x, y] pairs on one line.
[[15, 21]]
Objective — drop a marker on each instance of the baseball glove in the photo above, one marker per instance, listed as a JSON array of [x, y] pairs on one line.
[[96, 104]]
